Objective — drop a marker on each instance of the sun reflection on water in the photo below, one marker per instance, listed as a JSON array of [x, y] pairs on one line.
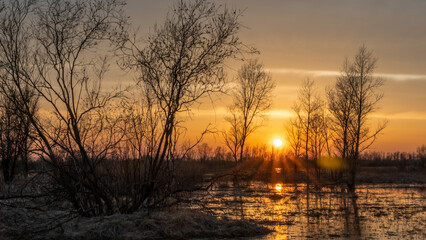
[[279, 187], [288, 210]]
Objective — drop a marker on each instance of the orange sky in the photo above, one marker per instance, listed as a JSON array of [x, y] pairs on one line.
[[299, 39]]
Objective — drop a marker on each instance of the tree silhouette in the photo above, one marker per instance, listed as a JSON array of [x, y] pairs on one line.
[[353, 98], [181, 62], [251, 99]]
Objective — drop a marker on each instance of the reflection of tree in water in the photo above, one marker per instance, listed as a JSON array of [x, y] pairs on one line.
[[322, 207], [238, 199], [319, 213], [327, 213], [351, 215]]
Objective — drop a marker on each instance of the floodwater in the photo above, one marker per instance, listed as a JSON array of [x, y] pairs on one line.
[[381, 211]]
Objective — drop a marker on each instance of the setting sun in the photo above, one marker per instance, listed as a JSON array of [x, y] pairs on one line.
[[278, 142]]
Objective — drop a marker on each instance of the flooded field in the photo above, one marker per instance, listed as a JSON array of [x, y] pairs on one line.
[[381, 211]]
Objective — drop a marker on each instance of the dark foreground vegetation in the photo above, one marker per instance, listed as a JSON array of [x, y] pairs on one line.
[[219, 204], [159, 225]]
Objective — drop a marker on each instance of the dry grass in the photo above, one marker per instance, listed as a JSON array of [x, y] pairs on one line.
[[157, 225]]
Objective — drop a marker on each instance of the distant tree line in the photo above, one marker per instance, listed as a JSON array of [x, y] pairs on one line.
[[401, 160]]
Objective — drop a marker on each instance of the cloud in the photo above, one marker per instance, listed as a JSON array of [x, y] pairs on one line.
[[279, 113], [401, 77], [326, 73], [317, 73], [221, 111], [401, 116]]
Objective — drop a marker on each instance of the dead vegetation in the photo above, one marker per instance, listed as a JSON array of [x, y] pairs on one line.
[[27, 224]]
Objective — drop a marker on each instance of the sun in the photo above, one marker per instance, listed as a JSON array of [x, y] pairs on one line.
[[278, 142]]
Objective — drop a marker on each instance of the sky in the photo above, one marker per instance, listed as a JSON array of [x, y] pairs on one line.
[[300, 39]]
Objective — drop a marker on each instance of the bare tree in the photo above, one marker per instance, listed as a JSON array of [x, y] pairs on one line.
[[18, 100], [204, 152], [69, 81], [53, 58], [251, 99], [340, 106], [233, 135], [353, 99], [219, 154], [307, 110], [181, 62], [319, 141], [366, 89], [294, 135], [421, 153], [10, 139]]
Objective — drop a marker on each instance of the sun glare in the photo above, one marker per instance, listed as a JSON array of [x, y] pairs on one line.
[[278, 187], [278, 142]]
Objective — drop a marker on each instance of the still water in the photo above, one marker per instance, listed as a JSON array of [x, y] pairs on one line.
[[379, 211]]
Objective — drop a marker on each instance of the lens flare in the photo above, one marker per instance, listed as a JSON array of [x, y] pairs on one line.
[[331, 163]]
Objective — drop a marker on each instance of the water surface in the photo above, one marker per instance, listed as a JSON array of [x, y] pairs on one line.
[[381, 211]]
